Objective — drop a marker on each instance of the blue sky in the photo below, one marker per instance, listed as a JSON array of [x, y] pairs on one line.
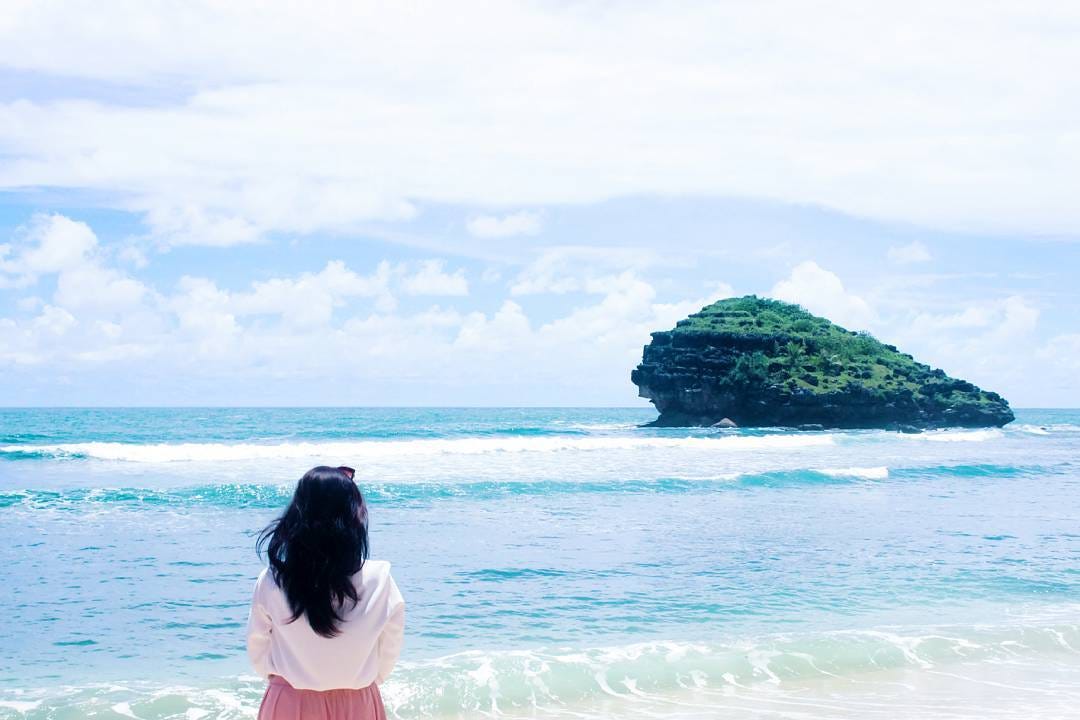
[[365, 205]]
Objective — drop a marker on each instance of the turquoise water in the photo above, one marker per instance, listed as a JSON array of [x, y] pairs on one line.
[[555, 562]]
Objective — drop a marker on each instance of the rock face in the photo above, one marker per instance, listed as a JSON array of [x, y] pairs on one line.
[[763, 362]]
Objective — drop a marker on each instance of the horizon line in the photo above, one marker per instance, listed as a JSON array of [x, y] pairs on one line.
[[374, 407]]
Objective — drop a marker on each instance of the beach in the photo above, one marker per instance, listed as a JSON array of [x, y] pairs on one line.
[[555, 562]]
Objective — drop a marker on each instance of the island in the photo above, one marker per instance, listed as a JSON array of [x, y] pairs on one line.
[[758, 362]]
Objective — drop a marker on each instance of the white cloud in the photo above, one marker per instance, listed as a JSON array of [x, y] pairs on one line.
[[48, 244], [31, 302], [202, 311], [506, 328], [822, 293], [973, 316], [667, 314], [990, 342], [995, 322], [246, 339], [206, 224], [1063, 351], [97, 287], [133, 256], [303, 303], [493, 226], [913, 252], [431, 279], [538, 280], [16, 344], [566, 269], [55, 244], [627, 300], [54, 320], [117, 352], [329, 115], [596, 343], [279, 314], [310, 298]]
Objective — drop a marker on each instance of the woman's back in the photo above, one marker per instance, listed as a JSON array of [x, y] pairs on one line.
[[364, 651], [326, 624]]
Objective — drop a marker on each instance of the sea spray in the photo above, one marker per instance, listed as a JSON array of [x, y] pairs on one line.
[[220, 452], [510, 682]]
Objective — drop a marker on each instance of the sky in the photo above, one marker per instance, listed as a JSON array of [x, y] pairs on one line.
[[495, 203]]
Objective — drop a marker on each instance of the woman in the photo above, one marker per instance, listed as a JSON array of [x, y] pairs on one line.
[[326, 624]]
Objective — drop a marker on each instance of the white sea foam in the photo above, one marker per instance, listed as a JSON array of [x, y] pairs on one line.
[[124, 709], [601, 427], [21, 706], [867, 473], [559, 681], [957, 435], [1048, 429], [218, 452], [525, 679]]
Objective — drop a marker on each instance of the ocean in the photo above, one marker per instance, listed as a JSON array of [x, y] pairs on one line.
[[555, 562]]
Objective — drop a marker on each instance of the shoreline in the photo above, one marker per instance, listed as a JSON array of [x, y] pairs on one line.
[[886, 672], [960, 689]]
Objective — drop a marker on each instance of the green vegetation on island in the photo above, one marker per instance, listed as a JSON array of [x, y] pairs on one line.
[[763, 362]]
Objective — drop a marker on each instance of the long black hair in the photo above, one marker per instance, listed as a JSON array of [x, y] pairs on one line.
[[317, 545]]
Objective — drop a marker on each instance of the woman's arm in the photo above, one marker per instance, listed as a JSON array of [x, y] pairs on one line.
[[393, 633], [259, 627]]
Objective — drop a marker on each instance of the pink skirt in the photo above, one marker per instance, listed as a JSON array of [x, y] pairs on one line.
[[284, 702]]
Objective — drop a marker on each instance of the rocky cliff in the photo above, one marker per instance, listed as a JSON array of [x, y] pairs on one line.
[[762, 362]]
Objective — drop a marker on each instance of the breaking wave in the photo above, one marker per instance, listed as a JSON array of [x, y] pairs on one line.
[[223, 452], [265, 495], [509, 682], [867, 473], [957, 435]]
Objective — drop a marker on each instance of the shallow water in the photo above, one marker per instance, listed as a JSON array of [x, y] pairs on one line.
[[555, 562]]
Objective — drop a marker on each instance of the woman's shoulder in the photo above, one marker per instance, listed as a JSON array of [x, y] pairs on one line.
[[383, 596], [265, 582], [376, 580], [375, 571], [266, 588]]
